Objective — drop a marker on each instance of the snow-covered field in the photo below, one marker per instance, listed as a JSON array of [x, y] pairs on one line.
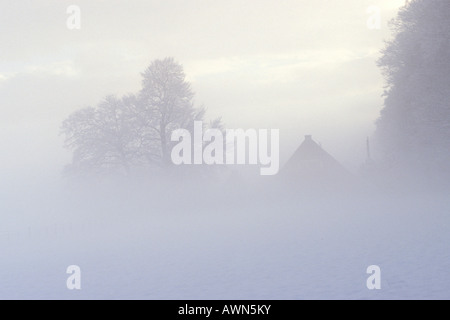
[[131, 245]]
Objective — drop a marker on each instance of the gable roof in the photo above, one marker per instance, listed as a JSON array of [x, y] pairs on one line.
[[312, 163]]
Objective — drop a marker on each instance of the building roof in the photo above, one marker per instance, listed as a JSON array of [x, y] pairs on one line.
[[310, 163]]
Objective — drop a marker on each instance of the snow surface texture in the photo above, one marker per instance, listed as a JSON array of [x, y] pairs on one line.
[[130, 245]]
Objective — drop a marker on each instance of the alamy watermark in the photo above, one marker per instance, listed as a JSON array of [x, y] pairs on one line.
[[74, 280], [374, 281], [374, 21], [73, 21], [238, 146]]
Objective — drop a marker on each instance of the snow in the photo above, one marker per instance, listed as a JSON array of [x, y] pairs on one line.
[[229, 247]]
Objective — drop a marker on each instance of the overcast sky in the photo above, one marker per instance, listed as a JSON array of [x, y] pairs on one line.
[[305, 67]]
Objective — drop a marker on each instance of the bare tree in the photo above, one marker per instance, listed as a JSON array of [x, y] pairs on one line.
[[166, 102], [134, 131], [105, 138]]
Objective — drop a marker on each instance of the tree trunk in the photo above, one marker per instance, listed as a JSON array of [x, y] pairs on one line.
[[164, 158]]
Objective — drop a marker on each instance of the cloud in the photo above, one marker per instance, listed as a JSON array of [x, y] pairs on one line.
[[62, 68], [3, 77]]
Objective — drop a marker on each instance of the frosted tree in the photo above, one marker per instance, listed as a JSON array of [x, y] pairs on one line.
[[105, 138], [414, 126], [166, 102], [120, 135]]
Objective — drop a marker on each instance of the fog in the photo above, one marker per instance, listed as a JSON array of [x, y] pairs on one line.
[[141, 228], [219, 241], [270, 63]]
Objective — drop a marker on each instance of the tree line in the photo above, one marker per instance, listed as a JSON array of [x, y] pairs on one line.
[[413, 130]]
